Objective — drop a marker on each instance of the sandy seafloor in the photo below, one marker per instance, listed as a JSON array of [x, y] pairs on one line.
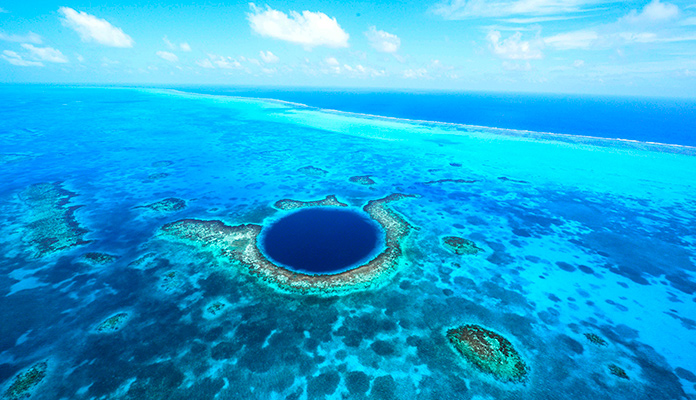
[[579, 236]]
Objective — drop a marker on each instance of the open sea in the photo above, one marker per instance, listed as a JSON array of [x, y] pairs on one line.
[[536, 246]]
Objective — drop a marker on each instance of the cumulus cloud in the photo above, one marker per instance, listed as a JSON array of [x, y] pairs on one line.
[[93, 29], [332, 61], [572, 40], [224, 62], [415, 73], [653, 12], [268, 57], [464, 9], [165, 55], [30, 37], [15, 59], [205, 63], [382, 41], [308, 29], [46, 53], [183, 46], [513, 48]]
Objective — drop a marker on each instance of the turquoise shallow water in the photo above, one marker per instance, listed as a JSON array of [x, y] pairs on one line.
[[578, 236]]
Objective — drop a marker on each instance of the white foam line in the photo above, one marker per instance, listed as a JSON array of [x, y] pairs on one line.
[[503, 131]]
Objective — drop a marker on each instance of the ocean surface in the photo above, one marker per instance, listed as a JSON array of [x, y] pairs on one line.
[[581, 252]]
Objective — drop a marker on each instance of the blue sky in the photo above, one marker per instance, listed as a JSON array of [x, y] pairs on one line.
[[645, 47]]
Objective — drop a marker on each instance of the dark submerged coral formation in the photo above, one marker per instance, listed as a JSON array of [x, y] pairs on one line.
[[52, 223], [594, 339], [23, 383], [99, 258], [363, 180], [289, 204], [239, 244], [162, 163], [618, 371], [156, 176], [167, 205], [113, 323], [215, 307], [460, 246], [450, 180], [313, 171], [489, 351]]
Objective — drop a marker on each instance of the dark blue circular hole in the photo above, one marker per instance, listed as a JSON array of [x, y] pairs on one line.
[[320, 240]]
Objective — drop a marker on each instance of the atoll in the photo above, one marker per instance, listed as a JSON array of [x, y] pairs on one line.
[[489, 351], [363, 180], [313, 171], [99, 258], [460, 246], [594, 339], [617, 371], [167, 205], [239, 245], [51, 222], [289, 204], [113, 323], [24, 382]]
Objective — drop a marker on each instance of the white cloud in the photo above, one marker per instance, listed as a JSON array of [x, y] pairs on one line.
[[224, 62], [513, 48], [653, 12], [382, 41], [182, 46], [205, 63], [79, 58], [268, 57], [165, 55], [93, 29], [308, 29], [514, 66], [30, 37], [572, 40], [464, 9], [15, 59], [46, 53], [331, 61], [579, 63], [415, 73]]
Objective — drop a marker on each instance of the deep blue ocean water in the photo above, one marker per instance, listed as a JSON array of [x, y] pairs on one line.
[[661, 120], [319, 240], [587, 261]]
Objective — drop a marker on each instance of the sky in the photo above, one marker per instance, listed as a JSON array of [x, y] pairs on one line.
[[635, 47]]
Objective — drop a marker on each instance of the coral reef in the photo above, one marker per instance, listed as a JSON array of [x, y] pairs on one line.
[[289, 204], [99, 258], [238, 244], [215, 307], [617, 371], [450, 180], [158, 175], [24, 382], [489, 351], [167, 205], [363, 180], [594, 339], [163, 163], [113, 323], [313, 171], [51, 222], [459, 245]]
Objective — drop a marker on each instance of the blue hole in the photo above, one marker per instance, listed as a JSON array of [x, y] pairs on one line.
[[320, 240]]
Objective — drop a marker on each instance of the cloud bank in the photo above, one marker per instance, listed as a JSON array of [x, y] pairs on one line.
[[309, 29], [93, 29]]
